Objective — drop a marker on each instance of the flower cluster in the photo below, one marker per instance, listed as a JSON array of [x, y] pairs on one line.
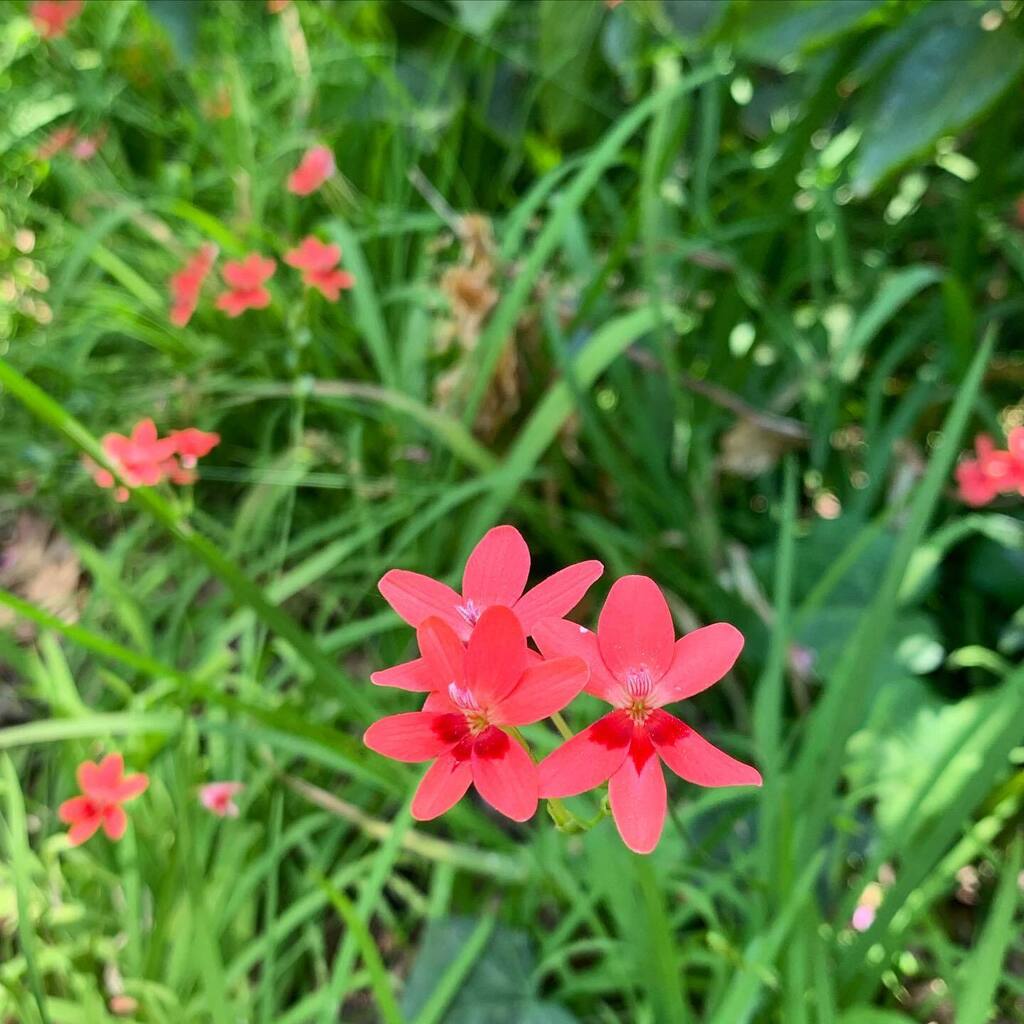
[[143, 458], [482, 681], [993, 471]]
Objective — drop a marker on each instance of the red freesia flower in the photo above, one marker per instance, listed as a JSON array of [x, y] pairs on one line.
[[218, 798], [144, 459], [318, 263], [496, 574], [246, 279], [994, 471], [104, 788], [638, 666], [187, 283], [493, 682], [51, 17], [314, 169]]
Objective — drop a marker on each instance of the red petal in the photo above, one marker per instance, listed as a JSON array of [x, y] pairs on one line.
[[504, 775], [637, 796], [556, 596], [701, 658], [635, 631], [496, 656], [691, 757], [443, 786], [438, 700], [132, 786], [443, 653], [78, 808], [416, 597], [100, 781], [415, 735], [410, 675], [543, 689], [84, 829], [497, 570], [588, 759], [115, 821], [560, 638]]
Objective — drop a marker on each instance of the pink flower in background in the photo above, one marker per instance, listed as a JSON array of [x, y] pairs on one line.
[[57, 141], [51, 17], [993, 471], [277, 6], [187, 283], [85, 147], [218, 798], [476, 690], [314, 169], [246, 279], [318, 263], [104, 788], [638, 666]]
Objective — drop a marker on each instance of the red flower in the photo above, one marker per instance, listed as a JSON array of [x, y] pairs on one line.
[[994, 471], [192, 444], [318, 263], [51, 17], [246, 279], [187, 283], [638, 666], [105, 788], [476, 690], [58, 140], [218, 797], [277, 6], [496, 574], [314, 169]]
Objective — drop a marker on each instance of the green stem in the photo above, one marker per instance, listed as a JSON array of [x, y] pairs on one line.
[[560, 725], [245, 590]]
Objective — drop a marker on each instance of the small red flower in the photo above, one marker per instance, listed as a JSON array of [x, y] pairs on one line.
[[496, 574], [218, 797], [994, 471], [105, 788], [245, 279], [638, 666], [318, 263], [192, 444], [277, 6], [314, 169], [187, 283], [493, 682], [57, 141], [51, 17]]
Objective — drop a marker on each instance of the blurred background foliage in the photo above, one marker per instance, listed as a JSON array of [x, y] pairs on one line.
[[714, 291]]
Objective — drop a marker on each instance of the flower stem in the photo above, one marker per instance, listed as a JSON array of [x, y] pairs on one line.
[[560, 725]]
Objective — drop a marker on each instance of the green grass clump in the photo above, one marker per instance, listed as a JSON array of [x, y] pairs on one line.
[[713, 292]]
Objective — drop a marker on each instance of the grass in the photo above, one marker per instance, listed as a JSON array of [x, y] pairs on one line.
[[725, 331]]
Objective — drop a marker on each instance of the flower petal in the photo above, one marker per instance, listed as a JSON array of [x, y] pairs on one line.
[[76, 809], [701, 658], [496, 656], [131, 786], [560, 638], [635, 631], [415, 735], [412, 675], [543, 689], [443, 786], [497, 570], [504, 775], [84, 829], [556, 596], [636, 793], [443, 653], [588, 759], [115, 821], [693, 758], [100, 780], [416, 597]]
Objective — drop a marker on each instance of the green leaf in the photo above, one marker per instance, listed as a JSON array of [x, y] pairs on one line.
[[951, 73], [479, 16]]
